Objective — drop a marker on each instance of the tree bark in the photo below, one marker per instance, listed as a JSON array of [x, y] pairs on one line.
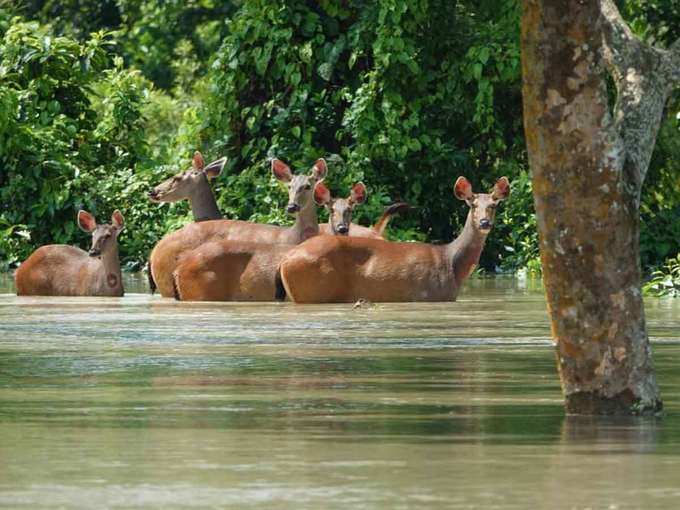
[[588, 165]]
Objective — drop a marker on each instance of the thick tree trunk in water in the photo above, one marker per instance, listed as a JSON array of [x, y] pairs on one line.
[[588, 167]]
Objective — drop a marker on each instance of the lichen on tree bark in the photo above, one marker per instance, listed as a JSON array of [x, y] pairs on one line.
[[588, 165]]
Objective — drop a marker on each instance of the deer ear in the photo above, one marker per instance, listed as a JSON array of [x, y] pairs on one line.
[[501, 190], [319, 169], [86, 221], [358, 193], [281, 171], [117, 219], [462, 189], [215, 168], [197, 161], [322, 195]]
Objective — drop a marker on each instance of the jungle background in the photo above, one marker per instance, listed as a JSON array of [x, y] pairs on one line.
[[101, 100]]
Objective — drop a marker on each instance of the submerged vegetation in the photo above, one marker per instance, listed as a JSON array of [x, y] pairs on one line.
[[101, 100]]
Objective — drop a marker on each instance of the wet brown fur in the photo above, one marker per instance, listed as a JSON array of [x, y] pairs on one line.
[[332, 269], [62, 270]]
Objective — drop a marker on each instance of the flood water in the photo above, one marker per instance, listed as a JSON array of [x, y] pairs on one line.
[[143, 402]]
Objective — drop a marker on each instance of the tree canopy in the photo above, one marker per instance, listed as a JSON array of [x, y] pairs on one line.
[[101, 100]]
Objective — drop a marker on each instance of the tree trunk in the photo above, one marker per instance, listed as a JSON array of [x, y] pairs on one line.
[[588, 166]]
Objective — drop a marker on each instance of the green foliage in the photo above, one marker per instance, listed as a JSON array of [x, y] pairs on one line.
[[45, 116], [660, 208], [655, 21], [397, 99], [153, 36], [665, 281], [172, 40], [71, 137], [11, 239], [517, 232], [101, 100]]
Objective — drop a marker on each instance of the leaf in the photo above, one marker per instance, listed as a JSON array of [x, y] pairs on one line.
[[325, 70], [477, 71], [484, 55], [352, 59], [306, 52]]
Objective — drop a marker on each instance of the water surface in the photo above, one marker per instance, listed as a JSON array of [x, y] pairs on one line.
[[143, 402]]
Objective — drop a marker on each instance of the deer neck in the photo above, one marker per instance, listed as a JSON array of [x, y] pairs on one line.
[[306, 223], [464, 252], [111, 265], [203, 205]]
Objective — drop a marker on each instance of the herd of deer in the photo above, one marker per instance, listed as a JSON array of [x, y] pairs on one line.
[[214, 259]]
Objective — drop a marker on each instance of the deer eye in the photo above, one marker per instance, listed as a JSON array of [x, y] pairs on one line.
[[308, 187]]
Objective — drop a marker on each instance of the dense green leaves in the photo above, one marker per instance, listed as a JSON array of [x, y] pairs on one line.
[[100, 100], [396, 96], [71, 136], [666, 280]]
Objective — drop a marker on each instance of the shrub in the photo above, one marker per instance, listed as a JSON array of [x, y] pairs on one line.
[[666, 280]]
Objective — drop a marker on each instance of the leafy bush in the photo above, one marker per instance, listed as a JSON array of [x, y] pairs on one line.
[[517, 232], [399, 101], [404, 95], [666, 280], [71, 137]]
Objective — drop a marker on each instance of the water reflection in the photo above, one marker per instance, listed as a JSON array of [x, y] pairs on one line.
[[612, 435], [143, 402]]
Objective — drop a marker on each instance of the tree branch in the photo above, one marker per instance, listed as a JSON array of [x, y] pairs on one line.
[[644, 78], [621, 46]]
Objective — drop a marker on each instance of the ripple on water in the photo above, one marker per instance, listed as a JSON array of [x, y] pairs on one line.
[[143, 402]]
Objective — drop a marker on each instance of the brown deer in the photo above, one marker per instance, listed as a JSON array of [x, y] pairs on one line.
[[340, 209], [246, 271], [167, 252], [61, 270], [332, 269], [192, 185]]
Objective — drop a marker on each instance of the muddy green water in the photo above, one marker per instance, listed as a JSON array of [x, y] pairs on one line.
[[142, 402]]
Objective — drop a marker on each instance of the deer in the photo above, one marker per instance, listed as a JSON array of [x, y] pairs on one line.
[[333, 269], [193, 185], [340, 213], [246, 271], [62, 270], [167, 252]]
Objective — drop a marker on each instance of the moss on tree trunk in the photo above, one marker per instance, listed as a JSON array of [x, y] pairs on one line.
[[587, 172]]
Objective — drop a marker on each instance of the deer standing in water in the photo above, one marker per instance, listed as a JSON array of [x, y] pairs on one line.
[[246, 271], [62, 270], [167, 253], [332, 269], [208, 227]]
